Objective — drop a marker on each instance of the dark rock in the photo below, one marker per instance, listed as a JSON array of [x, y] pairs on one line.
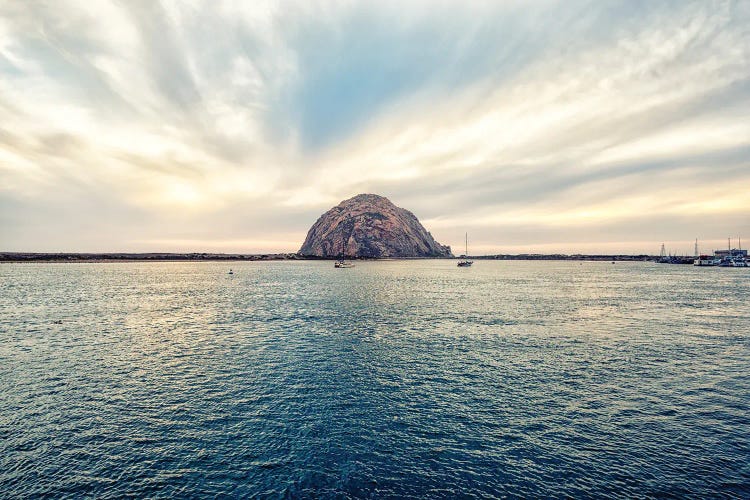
[[369, 225]]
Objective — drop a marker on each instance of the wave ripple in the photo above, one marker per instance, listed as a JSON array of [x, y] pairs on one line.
[[393, 379]]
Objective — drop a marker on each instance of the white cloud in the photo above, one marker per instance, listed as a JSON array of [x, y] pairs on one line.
[[553, 116]]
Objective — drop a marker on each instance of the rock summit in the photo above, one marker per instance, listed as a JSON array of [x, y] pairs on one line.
[[369, 225]]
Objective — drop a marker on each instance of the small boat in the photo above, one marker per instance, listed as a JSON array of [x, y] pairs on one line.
[[726, 262], [705, 260], [733, 257], [739, 257], [466, 262], [342, 263], [230, 272]]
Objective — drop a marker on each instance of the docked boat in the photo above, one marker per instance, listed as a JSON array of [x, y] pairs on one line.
[[726, 262], [466, 262], [739, 262], [706, 260], [740, 257], [732, 257]]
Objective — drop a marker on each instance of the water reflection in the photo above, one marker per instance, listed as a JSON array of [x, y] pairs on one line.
[[391, 379]]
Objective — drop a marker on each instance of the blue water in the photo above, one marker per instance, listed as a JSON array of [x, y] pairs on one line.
[[392, 379]]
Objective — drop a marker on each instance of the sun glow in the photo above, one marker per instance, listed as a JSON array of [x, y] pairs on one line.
[[295, 108]]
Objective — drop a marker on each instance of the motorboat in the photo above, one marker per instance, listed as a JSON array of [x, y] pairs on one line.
[[706, 260]]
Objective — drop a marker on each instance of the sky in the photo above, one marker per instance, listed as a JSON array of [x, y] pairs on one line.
[[231, 126]]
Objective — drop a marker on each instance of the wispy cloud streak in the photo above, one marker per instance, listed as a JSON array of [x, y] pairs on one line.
[[563, 125]]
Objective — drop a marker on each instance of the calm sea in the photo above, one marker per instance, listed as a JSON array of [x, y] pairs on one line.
[[392, 379]]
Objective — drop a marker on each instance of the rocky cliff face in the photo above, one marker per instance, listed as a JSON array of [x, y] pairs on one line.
[[369, 225]]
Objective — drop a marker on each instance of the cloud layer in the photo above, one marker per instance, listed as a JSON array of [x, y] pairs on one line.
[[230, 126]]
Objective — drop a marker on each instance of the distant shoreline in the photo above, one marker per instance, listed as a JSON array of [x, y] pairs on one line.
[[223, 257]]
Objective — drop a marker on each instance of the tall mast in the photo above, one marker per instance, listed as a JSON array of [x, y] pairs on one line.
[[696, 247], [466, 250]]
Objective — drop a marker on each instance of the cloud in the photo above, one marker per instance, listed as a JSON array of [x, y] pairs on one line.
[[228, 123]]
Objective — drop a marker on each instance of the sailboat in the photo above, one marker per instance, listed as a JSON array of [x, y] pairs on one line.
[[727, 261], [341, 263], [466, 262], [739, 258]]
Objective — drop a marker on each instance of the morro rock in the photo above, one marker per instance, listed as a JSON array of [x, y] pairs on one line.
[[369, 225]]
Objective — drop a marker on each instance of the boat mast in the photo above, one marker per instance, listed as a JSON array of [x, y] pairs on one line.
[[466, 250], [696, 248]]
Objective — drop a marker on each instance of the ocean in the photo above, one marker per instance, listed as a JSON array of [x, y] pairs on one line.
[[394, 379]]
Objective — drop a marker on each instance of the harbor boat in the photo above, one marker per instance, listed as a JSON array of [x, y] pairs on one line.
[[706, 260], [726, 262], [732, 257], [466, 262], [676, 259], [740, 257], [230, 272], [673, 259], [733, 261], [738, 260]]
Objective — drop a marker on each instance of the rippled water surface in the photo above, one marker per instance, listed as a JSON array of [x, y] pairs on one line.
[[392, 379]]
